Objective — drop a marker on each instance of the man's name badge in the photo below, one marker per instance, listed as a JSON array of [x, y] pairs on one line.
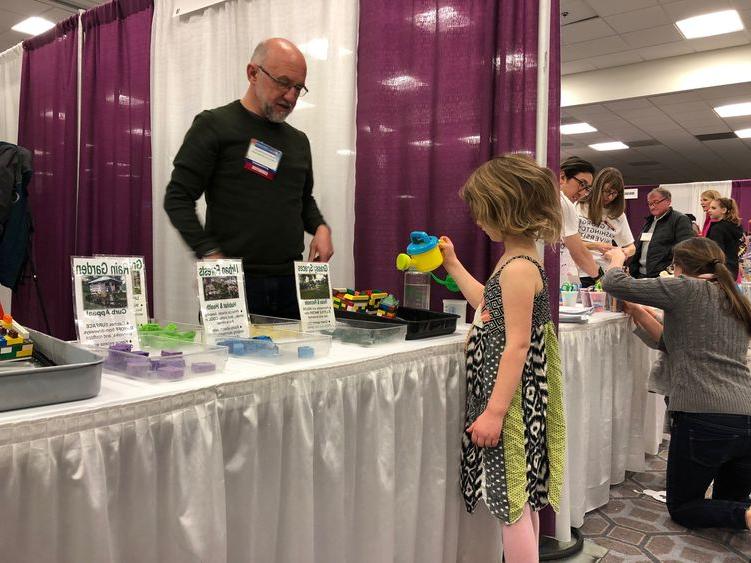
[[262, 159], [646, 237]]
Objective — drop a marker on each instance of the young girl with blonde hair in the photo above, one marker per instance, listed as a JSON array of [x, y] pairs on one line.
[[513, 447], [725, 229]]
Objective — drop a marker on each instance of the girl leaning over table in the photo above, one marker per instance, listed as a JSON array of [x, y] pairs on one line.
[[602, 219], [706, 377], [513, 447]]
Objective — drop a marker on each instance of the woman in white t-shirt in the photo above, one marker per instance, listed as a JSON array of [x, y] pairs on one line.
[[602, 221]]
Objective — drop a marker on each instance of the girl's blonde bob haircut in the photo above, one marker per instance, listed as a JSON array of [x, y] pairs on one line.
[[513, 196]]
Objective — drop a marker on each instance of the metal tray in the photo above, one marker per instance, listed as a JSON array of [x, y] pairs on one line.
[[77, 375]]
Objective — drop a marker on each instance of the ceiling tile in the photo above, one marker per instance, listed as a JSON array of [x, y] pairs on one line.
[[23, 7], [704, 130], [720, 41], [616, 59], [573, 67], [689, 8], [575, 10], [585, 31], [653, 36], [611, 7], [638, 19], [679, 98], [674, 49], [696, 108], [638, 103], [597, 47]]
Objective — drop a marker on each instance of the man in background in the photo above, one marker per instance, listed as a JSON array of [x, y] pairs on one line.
[[664, 228]]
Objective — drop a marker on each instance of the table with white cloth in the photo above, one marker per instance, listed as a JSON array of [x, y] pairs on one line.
[[352, 457], [612, 420]]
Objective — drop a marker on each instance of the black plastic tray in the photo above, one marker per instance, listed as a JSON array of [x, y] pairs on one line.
[[420, 322]]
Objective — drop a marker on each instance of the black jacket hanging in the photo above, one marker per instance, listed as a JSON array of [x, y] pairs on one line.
[[15, 217]]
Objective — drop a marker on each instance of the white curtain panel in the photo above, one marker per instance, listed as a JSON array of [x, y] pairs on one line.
[[10, 92], [198, 62], [686, 196], [10, 95]]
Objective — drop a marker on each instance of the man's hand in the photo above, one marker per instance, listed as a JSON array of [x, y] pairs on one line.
[[321, 248]]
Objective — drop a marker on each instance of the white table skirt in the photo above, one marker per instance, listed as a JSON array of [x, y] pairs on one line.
[[353, 457], [349, 458], [611, 418]]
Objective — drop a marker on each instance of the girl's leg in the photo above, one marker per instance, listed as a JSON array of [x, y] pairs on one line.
[[520, 540], [536, 525]]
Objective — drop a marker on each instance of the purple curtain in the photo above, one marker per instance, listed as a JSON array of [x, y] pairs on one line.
[[114, 194], [47, 127], [637, 209], [741, 193], [441, 89]]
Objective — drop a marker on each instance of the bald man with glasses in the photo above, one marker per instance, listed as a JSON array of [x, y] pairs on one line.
[[664, 228], [256, 173]]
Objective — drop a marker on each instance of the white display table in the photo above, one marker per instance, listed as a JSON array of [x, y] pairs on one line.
[[348, 458], [353, 457], [612, 421]]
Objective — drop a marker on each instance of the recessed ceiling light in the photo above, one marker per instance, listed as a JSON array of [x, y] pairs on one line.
[[576, 128], [743, 133], [33, 25], [716, 23], [612, 146], [733, 110]]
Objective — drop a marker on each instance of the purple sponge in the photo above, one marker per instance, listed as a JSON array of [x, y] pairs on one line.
[[171, 372], [202, 367]]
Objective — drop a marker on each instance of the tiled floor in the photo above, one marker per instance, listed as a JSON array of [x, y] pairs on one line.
[[636, 528]]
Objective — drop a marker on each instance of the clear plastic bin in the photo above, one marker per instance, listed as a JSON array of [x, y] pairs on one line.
[[278, 345], [165, 359], [366, 332], [168, 329], [261, 325]]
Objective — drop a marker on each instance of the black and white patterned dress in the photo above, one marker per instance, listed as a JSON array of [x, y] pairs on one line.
[[527, 464]]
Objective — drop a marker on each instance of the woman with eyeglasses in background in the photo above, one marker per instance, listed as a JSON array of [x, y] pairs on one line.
[[602, 219], [707, 197], [575, 182], [725, 229]]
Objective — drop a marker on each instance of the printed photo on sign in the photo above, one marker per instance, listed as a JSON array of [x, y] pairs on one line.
[[103, 292], [313, 285], [136, 279], [223, 287]]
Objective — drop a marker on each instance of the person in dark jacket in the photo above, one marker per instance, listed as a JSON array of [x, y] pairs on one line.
[[726, 230], [664, 228]]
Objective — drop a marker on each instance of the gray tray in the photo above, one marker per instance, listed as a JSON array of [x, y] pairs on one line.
[[77, 375]]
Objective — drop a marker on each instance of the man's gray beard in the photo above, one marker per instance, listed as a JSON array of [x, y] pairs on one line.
[[274, 115]]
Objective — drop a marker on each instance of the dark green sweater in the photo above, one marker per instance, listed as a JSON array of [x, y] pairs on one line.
[[247, 216]]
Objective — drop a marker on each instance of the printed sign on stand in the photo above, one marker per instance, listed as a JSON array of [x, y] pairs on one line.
[[140, 298], [221, 294], [314, 295], [103, 297]]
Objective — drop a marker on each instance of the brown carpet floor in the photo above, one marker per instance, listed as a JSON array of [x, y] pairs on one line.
[[636, 528]]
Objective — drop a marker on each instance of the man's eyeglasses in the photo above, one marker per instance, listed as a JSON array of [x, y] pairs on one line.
[[583, 184], [285, 84], [654, 203]]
